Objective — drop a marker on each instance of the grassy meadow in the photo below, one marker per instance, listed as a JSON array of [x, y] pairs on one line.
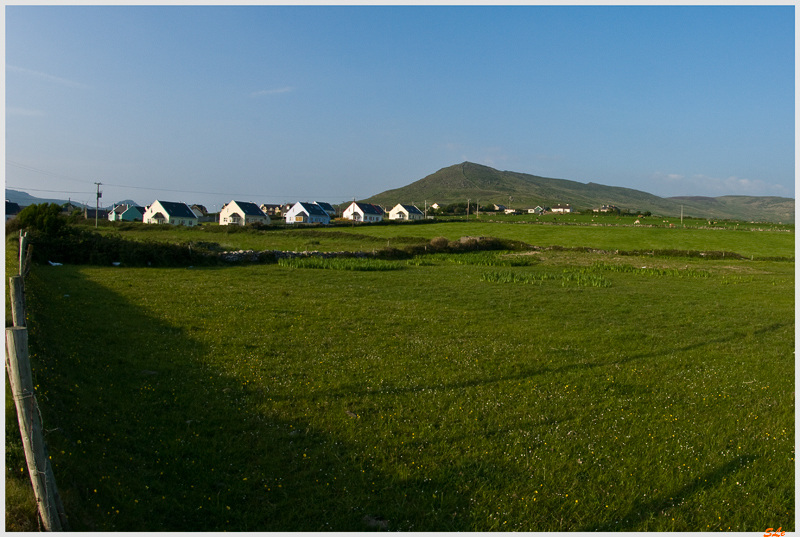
[[494, 391], [605, 232]]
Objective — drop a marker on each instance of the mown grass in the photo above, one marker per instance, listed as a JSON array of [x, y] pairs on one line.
[[266, 398]]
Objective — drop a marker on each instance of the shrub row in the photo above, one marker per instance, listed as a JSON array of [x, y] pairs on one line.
[[82, 247], [78, 245]]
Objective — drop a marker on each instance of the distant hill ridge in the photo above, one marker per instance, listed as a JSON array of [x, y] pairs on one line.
[[468, 180], [24, 199]]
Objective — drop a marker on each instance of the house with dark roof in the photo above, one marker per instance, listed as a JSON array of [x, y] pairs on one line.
[[405, 212], [126, 213], [306, 212], [199, 210], [241, 213], [271, 209], [363, 212], [327, 207], [12, 209], [169, 212], [94, 214]]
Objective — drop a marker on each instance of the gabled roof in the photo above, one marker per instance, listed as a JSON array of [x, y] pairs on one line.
[[119, 209], [410, 209], [312, 208], [368, 208], [327, 207], [177, 209], [249, 208]]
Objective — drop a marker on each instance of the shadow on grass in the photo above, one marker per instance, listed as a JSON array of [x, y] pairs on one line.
[[644, 510], [526, 373], [146, 435]]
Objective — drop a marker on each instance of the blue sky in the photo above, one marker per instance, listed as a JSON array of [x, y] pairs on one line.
[[279, 104]]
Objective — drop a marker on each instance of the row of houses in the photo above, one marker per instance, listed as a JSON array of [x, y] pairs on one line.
[[241, 213]]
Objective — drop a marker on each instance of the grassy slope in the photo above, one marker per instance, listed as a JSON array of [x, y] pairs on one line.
[[654, 404], [459, 182]]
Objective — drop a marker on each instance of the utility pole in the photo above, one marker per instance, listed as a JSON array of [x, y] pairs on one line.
[[426, 208], [681, 214], [97, 203], [477, 209], [468, 200]]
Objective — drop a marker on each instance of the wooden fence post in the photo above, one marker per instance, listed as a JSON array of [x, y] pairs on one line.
[[19, 375], [23, 242], [17, 286]]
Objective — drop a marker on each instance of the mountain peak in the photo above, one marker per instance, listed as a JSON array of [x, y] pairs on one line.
[[477, 182]]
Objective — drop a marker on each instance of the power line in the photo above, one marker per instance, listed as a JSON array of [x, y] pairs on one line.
[[43, 190], [181, 191], [31, 168]]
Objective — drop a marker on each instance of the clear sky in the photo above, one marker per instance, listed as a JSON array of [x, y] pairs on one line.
[[279, 104]]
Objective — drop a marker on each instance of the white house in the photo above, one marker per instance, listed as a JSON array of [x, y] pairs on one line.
[[363, 212], [536, 210], [305, 212], [561, 208], [405, 212], [169, 212], [241, 213]]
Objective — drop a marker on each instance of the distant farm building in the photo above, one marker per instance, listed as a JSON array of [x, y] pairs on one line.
[[561, 208], [606, 209], [92, 214]]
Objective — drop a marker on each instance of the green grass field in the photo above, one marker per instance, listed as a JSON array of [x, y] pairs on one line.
[[614, 234], [436, 396]]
